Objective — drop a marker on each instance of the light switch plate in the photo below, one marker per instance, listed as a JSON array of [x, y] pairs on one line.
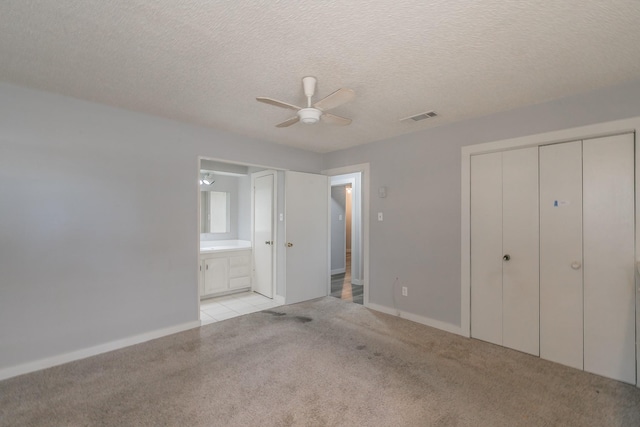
[[380, 217]]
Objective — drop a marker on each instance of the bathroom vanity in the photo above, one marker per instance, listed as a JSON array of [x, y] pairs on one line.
[[225, 267]]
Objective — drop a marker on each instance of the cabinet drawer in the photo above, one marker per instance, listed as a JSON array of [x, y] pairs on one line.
[[237, 261], [240, 282], [239, 271]]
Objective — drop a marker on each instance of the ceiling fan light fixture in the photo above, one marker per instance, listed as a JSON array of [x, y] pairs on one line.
[[309, 116]]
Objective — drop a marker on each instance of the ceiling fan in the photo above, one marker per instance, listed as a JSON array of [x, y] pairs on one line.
[[313, 113]]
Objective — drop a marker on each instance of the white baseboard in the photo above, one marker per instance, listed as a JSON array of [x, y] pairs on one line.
[[338, 271], [444, 326], [279, 299], [60, 359]]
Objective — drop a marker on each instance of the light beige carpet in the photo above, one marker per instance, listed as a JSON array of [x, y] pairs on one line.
[[319, 363]]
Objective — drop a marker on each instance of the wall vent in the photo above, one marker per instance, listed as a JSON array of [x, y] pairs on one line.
[[421, 116]]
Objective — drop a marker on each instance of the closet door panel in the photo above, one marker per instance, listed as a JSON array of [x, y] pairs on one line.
[[609, 253], [561, 309], [486, 247], [520, 285]]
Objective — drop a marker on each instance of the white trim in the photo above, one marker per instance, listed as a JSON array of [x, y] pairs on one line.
[[363, 168], [279, 299], [356, 282], [637, 284], [60, 359], [631, 125], [444, 326], [338, 271]]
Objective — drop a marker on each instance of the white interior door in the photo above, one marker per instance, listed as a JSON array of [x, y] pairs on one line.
[[520, 237], [561, 308], [609, 295], [486, 247], [307, 236], [263, 233]]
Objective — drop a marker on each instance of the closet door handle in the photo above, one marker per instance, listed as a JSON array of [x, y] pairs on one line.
[[507, 257], [576, 265]]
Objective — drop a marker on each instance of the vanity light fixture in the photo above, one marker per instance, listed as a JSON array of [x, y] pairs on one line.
[[207, 180]]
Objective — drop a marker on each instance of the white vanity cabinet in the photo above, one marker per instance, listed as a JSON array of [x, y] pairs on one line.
[[224, 271], [216, 277]]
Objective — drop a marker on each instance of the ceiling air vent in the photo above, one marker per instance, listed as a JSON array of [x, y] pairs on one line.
[[421, 116]]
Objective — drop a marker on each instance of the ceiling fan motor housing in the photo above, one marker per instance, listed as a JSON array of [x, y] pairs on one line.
[[309, 116]]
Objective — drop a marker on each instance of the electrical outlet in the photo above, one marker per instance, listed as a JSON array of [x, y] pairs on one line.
[[404, 291]]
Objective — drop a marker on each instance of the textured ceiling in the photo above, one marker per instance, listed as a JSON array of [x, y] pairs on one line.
[[205, 61]]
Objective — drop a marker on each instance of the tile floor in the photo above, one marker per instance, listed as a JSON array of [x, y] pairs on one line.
[[222, 308]]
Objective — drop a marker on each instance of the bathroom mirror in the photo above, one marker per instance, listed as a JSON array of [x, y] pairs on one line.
[[214, 212]]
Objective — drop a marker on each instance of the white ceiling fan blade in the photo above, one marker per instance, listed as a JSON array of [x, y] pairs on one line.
[[287, 123], [332, 119], [336, 99], [278, 103]]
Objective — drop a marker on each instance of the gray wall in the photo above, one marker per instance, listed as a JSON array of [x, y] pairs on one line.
[[338, 224], [419, 240], [98, 220]]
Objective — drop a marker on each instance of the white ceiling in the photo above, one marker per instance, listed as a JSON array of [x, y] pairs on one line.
[[204, 61]]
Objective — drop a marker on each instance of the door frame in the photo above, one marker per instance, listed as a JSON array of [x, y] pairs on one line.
[[274, 225], [617, 127], [364, 169], [199, 159]]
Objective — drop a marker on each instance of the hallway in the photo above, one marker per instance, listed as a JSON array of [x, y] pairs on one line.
[[342, 288]]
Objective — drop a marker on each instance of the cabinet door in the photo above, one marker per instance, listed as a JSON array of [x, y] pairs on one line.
[[215, 275], [609, 300], [520, 237], [561, 309], [486, 247]]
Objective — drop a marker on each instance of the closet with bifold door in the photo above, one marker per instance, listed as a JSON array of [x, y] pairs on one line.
[[553, 253], [504, 249]]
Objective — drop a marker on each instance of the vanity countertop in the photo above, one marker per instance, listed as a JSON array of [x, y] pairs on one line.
[[212, 246]]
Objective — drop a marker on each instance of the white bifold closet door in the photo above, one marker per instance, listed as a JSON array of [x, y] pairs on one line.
[[561, 253], [504, 249], [609, 254], [587, 252]]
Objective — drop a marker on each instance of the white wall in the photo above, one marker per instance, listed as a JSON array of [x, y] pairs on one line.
[[244, 207], [98, 220], [419, 240], [227, 184]]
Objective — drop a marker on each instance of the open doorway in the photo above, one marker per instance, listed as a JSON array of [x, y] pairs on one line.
[[346, 237], [227, 245]]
